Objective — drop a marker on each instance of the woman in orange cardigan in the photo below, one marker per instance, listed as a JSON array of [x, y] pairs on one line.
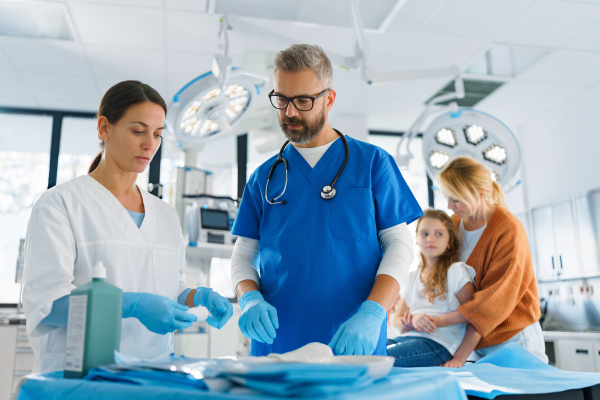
[[505, 307]]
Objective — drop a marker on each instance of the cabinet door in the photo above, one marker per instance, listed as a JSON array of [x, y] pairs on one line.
[[544, 243], [565, 240], [587, 211], [576, 355]]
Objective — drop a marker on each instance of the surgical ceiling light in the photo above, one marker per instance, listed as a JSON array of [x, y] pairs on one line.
[[474, 134], [495, 153], [211, 104], [446, 136], [498, 150], [438, 159]]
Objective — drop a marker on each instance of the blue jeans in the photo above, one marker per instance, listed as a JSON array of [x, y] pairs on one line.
[[416, 351]]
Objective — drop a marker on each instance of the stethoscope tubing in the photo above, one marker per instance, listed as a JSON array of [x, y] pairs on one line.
[[281, 159]]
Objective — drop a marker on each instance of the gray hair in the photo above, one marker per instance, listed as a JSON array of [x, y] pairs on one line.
[[299, 57]]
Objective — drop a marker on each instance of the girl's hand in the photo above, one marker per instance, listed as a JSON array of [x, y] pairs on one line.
[[454, 363], [423, 323], [407, 322]]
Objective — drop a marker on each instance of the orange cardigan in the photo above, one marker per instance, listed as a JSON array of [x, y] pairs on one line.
[[506, 297]]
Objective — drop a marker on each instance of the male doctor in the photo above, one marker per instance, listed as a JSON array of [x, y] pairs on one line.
[[331, 257]]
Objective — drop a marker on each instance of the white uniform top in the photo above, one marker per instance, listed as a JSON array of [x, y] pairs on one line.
[[413, 293], [72, 226], [469, 240]]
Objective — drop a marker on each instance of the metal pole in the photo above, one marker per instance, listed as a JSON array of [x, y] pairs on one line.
[[54, 148]]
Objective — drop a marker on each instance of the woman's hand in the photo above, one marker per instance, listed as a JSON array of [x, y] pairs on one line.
[[454, 363], [407, 324], [423, 323]]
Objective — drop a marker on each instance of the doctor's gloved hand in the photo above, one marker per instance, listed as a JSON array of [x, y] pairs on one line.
[[259, 319], [360, 334], [158, 313], [219, 307]]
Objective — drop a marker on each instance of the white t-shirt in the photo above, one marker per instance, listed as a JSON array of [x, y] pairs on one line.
[[469, 240], [312, 155], [413, 293]]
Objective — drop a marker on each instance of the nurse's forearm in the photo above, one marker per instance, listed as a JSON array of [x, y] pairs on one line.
[[245, 286], [385, 290]]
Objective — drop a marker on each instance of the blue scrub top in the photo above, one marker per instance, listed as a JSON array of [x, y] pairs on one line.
[[319, 258]]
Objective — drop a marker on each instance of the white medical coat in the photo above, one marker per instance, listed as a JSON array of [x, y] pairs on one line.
[[73, 226]]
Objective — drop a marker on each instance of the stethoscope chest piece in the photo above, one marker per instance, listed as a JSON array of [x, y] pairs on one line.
[[328, 192]]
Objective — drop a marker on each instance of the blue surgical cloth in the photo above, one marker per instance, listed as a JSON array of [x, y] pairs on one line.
[[513, 370], [319, 258], [138, 218]]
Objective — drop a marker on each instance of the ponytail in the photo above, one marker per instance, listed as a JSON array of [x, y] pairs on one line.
[[95, 163]]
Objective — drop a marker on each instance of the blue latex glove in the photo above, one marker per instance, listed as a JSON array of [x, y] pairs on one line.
[[259, 319], [158, 313], [219, 307], [359, 335]]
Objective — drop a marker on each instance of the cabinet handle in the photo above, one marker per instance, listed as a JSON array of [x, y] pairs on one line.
[[553, 263], [560, 259], [582, 351]]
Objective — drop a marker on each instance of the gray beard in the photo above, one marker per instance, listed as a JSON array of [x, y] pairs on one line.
[[307, 133]]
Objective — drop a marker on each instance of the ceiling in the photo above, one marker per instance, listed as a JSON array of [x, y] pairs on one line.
[[166, 43]]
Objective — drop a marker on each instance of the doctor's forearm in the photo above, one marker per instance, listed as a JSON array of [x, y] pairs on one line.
[[385, 290], [245, 286]]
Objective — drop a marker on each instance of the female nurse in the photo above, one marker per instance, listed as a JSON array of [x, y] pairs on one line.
[[104, 216], [505, 307]]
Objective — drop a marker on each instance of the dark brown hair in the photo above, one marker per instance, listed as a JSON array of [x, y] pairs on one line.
[[118, 99], [436, 282]]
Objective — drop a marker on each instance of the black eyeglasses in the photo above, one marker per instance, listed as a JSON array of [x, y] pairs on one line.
[[302, 103]]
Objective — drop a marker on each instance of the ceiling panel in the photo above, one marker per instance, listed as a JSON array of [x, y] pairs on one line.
[[565, 66], [25, 101], [531, 94], [5, 64], [12, 84], [136, 3], [185, 66], [482, 19], [119, 26], [40, 55], [415, 13], [197, 32], [551, 23], [108, 61], [56, 85], [69, 103], [187, 5], [325, 12], [410, 50], [510, 116], [588, 40]]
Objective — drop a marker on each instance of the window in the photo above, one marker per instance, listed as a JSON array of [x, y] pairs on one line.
[[24, 167]]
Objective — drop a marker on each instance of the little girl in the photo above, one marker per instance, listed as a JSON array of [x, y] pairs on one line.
[[426, 313]]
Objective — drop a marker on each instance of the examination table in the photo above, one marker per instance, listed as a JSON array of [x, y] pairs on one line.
[[508, 373]]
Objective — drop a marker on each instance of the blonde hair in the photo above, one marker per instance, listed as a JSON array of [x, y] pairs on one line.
[[436, 283], [464, 179]]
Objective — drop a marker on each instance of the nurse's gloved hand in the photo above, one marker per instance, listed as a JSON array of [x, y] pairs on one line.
[[259, 319], [158, 313], [360, 334], [219, 307]]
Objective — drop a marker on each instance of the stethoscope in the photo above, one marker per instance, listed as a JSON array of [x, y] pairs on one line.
[[328, 192]]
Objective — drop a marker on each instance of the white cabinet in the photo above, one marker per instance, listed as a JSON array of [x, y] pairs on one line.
[[544, 243], [556, 244], [575, 355], [587, 210]]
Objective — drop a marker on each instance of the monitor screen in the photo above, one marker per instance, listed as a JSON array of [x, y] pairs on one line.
[[215, 219]]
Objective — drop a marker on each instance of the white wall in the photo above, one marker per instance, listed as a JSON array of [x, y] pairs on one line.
[[561, 150]]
